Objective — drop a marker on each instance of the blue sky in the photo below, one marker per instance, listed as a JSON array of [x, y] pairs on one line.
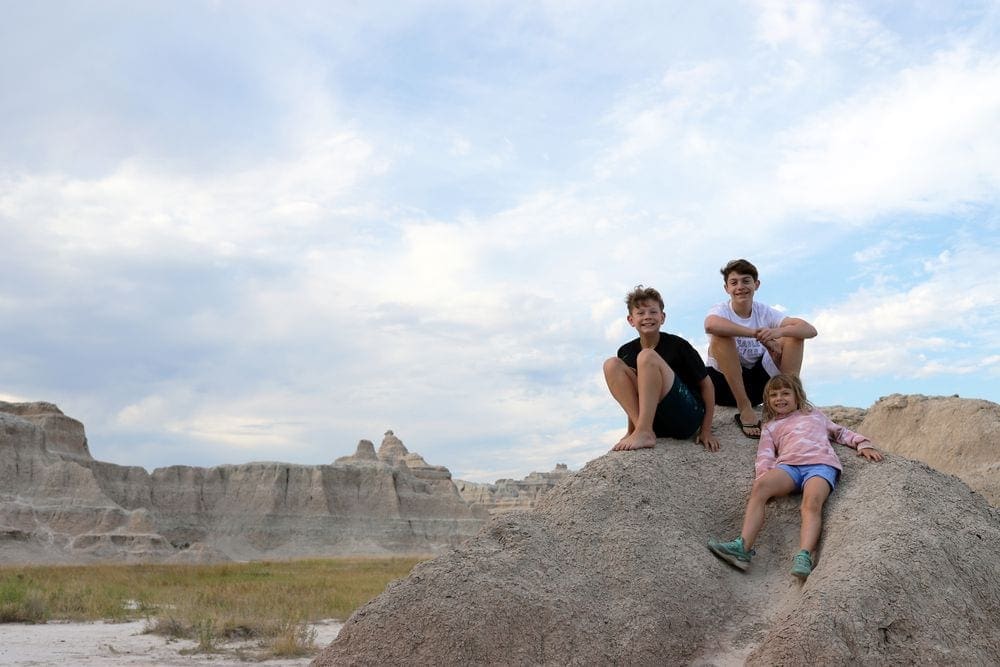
[[239, 231]]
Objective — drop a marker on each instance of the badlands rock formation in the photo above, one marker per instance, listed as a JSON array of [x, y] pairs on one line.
[[58, 504], [956, 435], [611, 568], [512, 494], [959, 436], [62, 435]]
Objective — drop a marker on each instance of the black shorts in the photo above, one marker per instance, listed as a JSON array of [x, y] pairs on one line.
[[679, 414], [754, 380]]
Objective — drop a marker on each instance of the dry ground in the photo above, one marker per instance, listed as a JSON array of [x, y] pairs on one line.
[[120, 644]]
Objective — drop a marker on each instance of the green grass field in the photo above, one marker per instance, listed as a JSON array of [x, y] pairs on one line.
[[272, 601]]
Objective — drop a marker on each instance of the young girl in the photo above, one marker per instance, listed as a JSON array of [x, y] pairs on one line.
[[794, 455]]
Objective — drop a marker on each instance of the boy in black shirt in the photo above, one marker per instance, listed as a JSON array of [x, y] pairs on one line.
[[659, 380]]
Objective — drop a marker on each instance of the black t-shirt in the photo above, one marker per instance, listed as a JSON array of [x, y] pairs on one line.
[[683, 359]]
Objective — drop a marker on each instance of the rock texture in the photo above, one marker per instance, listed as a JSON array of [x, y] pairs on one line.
[[508, 495], [58, 504], [610, 568], [959, 436], [60, 434]]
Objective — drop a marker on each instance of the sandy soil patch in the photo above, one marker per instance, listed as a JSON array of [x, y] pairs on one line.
[[114, 644]]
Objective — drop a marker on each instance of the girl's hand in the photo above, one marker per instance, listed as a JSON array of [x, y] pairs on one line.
[[871, 454]]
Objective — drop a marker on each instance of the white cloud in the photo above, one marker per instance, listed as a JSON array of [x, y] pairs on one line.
[[932, 324], [804, 23], [926, 142], [250, 431], [815, 27], [924, 139], [872, 253], [460, 146], [147, 410], [321, 287], [666, 116], [137, 210]]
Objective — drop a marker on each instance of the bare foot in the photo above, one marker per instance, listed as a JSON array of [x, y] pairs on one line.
[[621, 443], [637, 440]]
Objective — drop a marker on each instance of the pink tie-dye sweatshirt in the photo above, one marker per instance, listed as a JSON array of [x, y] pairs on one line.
[[803, 438]]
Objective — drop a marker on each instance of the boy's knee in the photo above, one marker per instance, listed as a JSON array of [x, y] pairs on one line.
[[648, 356], [614, 365]]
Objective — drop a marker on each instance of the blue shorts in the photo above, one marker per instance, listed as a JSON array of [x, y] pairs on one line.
[[679, 414], [801, 474]]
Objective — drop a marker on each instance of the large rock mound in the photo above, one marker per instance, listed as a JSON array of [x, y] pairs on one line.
[[959, 436], [611, 568]]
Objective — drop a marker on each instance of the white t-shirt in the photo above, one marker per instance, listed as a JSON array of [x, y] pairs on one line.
[[750, 349]]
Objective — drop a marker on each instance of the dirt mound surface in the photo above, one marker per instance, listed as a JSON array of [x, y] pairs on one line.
[[611, 568], [959, 436]]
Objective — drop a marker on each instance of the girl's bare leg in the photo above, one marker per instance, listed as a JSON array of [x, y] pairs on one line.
[[772, 484], [814, 494]]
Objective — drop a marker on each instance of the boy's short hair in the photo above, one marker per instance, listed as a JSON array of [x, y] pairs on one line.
[[640, 294], [740, 266], [785, 381]]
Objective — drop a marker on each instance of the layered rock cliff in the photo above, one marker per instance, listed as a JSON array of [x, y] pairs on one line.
[[58, 504], [507, 495]]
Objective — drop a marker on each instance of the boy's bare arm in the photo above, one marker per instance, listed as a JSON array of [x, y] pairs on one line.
[[791, 327], [795, 328], [720, 326], [705, 436]]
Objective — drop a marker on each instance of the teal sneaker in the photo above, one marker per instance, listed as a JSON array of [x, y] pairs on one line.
[[802, 565], [732, 552]]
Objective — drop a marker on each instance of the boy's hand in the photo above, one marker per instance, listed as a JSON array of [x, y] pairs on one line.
[[766, 335], [706, 438], [871, 454]]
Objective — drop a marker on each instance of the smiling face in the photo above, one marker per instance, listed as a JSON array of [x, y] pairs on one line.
[[783, 394], [782, 401], [741, 287], [647, 317]]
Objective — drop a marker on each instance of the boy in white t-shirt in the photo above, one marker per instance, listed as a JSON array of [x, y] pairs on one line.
[[748, 342]]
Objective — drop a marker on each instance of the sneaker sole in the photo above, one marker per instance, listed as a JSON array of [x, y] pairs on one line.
[[801, 575], [740, 565]]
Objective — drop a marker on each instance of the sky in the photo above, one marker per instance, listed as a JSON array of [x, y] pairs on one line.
[[255, 231]]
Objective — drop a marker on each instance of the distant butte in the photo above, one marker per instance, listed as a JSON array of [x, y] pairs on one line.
[[60, 505]]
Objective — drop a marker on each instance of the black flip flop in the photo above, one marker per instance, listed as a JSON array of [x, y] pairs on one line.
[[744, 427]]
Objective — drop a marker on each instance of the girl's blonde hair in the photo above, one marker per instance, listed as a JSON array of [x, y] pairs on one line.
[[785, 381]]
